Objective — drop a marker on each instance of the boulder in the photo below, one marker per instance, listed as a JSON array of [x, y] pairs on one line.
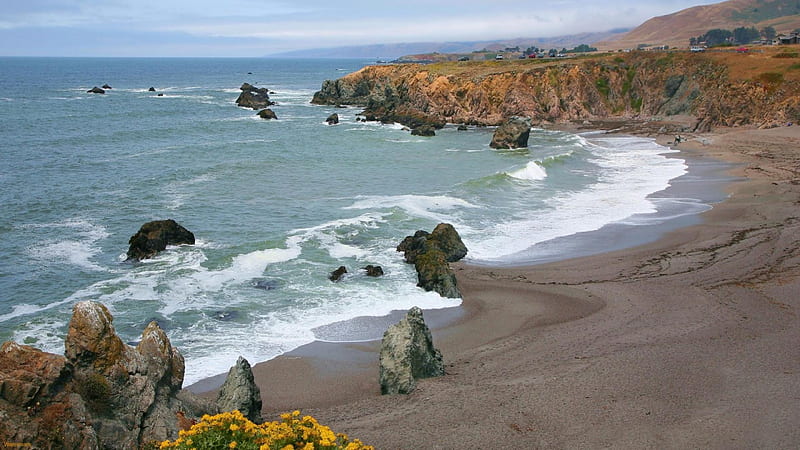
[[337, 274], [96, 90], [333, 119], [462, 128], [102, 394], [423, 130], [407, 354], [154, 237], [373, 271], [267, 114], [152, 89], [514, 133], [430, 253], [253, 97], [240, 392], [106, 86]]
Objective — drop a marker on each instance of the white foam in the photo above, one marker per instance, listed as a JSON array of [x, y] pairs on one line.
[[531, 172], [422, 206], [77, 249]]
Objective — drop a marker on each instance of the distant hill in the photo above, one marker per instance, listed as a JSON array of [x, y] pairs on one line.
[[393, 51], [676, 29]]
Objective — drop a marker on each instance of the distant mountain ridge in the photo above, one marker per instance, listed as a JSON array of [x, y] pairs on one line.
[[392, 51], [676, 29]]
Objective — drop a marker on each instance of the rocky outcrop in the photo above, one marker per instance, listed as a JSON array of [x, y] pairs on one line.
[[240, 392], [106, 86], [407, 354], [154, 237], [96, 90], [253, 97], [637, 85], [333, 119], [424, 130], [337, 274], [513, 133], [267, 114], [102, 394], [430, 253]]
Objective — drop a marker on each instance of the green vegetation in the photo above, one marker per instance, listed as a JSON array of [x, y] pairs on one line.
[[768, 10], [602, 86], [786, 54]]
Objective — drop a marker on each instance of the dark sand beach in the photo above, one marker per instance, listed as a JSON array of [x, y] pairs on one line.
[[690, 341]]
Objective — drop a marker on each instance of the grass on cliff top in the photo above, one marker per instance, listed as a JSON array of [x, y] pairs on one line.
[[741, 66]]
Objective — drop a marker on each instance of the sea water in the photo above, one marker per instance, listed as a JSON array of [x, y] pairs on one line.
[[275, 205]]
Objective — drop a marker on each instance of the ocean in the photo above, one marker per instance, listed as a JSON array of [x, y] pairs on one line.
[[275, 205]]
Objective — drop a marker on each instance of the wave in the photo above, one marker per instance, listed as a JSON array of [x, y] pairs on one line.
[[531, 172], [422, 206], [77, 248]]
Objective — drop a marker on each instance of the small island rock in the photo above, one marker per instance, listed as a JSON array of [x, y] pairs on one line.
[[96, 90], [514, 133], [267, 114], [253, 97], [333, 119], [154, 237]]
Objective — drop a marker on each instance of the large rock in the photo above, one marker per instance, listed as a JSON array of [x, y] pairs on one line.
[[240, 392], [253, 97], [154, 237], [430, 253], [514, 133], [267, 114], [407, 354], [102, 394], [333, 119]]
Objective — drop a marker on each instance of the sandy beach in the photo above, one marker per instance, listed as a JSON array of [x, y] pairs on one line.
[[687, 342]]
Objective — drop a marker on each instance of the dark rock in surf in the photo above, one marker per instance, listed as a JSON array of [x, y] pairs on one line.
[[333, 119], [267, 285], [423, 130], [337, 274], [154, 237], [152, 89], [514, 133], [430, 253], [407, 354], [106, 86], [96, 90], [267, 114], [373, 271], [253, 97], [462, 128]]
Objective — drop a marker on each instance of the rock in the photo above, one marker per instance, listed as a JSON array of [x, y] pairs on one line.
[[514, 133], [333, 119], [266, 285], [267, 114], [253, 97], [106, 86], [423, 130], [96, 90], [102, 394], [373, 271], [462, 128], [240, 392], [160, 94], [337, 274], [430, 253], [154, 237], [152, 89], [407, 354]]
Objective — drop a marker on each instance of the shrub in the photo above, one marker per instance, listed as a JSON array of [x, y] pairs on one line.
[[233, 430], [787, 55]]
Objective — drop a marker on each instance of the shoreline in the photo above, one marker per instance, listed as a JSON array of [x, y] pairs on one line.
[[688, 341], [366, 331]]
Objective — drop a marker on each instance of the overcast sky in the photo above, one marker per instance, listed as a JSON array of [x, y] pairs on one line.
[[262, 27]]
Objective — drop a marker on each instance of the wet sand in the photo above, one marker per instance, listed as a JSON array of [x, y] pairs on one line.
[[690, 341]]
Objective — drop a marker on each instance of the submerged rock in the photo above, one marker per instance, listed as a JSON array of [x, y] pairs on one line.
[[154, 237], [253, 97], [96, 90], [407, 354], [337, 274], [267, 114], [106, 86], [423, 130], [514, 133], [373, 271], [240, 392]]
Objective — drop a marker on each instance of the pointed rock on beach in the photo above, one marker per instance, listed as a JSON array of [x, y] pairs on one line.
[[407, 354]]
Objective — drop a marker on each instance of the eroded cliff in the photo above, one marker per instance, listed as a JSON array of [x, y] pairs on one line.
[[638, 85]]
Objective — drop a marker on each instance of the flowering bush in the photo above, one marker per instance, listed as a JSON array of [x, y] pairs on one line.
[[233, 430]]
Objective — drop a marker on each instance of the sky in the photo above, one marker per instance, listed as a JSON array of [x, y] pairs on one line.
[[240, 28]]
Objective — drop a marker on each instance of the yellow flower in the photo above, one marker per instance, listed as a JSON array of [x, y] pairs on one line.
[[232, 444], [233, 427]]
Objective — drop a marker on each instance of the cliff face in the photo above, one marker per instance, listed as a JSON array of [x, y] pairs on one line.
[[638, 86]]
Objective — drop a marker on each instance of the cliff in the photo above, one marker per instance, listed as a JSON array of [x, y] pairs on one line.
[[637, 85]]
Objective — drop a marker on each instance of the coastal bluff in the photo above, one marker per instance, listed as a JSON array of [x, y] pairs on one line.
[[717, 90]]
